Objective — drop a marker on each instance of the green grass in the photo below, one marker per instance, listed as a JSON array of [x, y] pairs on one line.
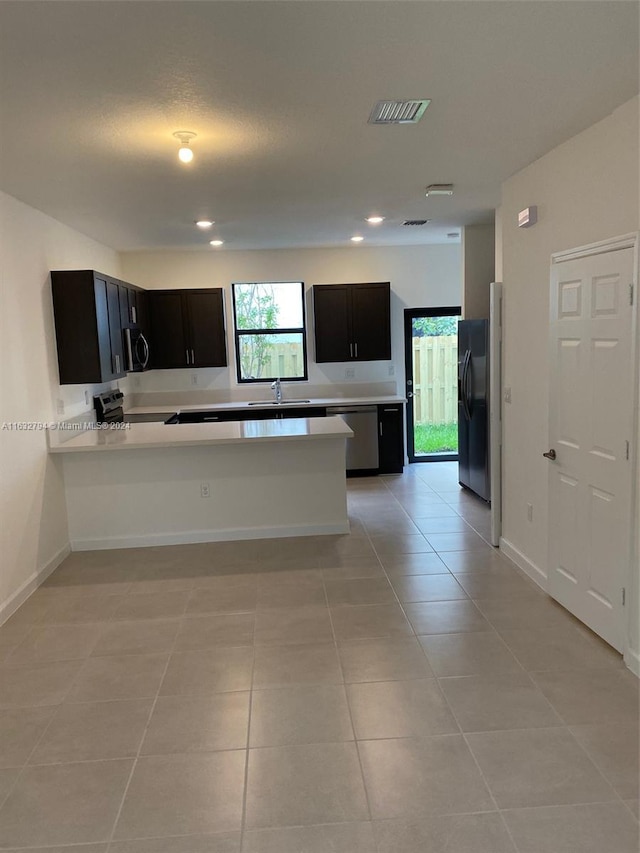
[[435, 438]]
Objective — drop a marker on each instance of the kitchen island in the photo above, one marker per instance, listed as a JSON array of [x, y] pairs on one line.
[[151, 484]]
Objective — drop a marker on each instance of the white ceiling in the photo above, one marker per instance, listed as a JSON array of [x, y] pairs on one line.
[[279, 94]]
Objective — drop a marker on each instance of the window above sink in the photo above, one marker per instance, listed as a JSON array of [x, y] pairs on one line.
[[270, 332]]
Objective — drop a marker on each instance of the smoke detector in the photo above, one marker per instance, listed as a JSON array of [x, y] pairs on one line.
[[398, 112], [439, 189]]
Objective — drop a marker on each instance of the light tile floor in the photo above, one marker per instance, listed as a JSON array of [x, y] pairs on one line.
[[397, 690]]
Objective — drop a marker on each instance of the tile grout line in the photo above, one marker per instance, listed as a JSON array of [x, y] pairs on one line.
[[346, 695], [245, 785], [110, 840]]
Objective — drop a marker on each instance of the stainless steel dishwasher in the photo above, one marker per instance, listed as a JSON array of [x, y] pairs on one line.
[[362, 449]]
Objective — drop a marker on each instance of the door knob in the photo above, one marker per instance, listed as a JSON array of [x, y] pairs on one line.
[[550, 454]]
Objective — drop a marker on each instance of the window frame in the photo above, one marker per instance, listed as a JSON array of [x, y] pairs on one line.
[[239, 333]]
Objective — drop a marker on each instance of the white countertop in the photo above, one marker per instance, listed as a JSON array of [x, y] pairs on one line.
[[156, 435], [267, 403]]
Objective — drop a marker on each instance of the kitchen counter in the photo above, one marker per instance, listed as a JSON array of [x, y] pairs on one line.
[[267, 403], [203, 482], [158, 435]]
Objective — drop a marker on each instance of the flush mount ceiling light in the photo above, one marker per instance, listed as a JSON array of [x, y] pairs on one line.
[[185, 154], [375, 220], [205, 223], [216, 242], [439, 189], [399, 112], [357, 239]]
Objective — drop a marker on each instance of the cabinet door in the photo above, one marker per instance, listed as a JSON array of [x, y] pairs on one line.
[[205, 323], [123, 297], [106, 373], [371, 321], [331, 321], [142, 311], [115, 328], [390, 439], [168, 342]]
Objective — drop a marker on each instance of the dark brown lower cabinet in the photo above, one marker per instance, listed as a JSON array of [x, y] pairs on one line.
[[390, 439]]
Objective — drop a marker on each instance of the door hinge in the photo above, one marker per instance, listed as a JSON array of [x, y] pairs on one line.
[[631, 294], [627, 443], [624, 595]]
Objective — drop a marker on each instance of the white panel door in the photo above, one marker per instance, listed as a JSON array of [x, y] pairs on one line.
[[591, 418]]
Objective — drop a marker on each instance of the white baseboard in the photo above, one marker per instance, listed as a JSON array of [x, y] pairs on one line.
[[9, 607], [196, 536], [528, 567], [632, 661]]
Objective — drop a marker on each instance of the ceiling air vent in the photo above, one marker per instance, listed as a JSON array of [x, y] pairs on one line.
[[416, 221], [398, 112]]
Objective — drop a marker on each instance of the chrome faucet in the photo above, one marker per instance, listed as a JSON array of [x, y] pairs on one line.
[[277, 390]]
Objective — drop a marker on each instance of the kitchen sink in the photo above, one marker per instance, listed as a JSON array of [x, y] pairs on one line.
[[274, 403]]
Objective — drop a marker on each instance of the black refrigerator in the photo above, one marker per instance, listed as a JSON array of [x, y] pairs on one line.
[[473, 406]]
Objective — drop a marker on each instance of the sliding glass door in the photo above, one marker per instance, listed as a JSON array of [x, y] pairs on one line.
[[431, 370]]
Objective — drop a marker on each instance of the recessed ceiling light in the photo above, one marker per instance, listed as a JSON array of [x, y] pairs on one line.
[[357, 239], [216, 242], [185, 154], [439, 189], [204, 223], [375, 220]]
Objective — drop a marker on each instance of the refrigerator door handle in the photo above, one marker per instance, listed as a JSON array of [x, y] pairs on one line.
[[463, 391], [468, 386]]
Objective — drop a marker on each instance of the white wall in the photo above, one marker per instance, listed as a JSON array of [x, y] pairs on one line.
[[478, 269], [33, 532], [420, 276], [586, 190]]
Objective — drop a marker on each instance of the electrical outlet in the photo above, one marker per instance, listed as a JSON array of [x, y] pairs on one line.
[[392, 370], [194, 378], [60, 407], [529, 512], [205, 492], [349, 373], [507, 394]]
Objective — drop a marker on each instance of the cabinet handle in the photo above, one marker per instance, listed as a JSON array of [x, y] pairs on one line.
[[186, 352], [380, 425], [356, 347], [193, 358], [133, 314], [117, 364], [350, 350]]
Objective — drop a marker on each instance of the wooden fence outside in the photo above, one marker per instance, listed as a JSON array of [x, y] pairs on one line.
[[435, 379], [283, 359]]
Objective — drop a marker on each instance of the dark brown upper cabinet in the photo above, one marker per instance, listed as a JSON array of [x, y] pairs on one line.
[[187, 328], [132, 306], [352, 322], [86, 306]]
